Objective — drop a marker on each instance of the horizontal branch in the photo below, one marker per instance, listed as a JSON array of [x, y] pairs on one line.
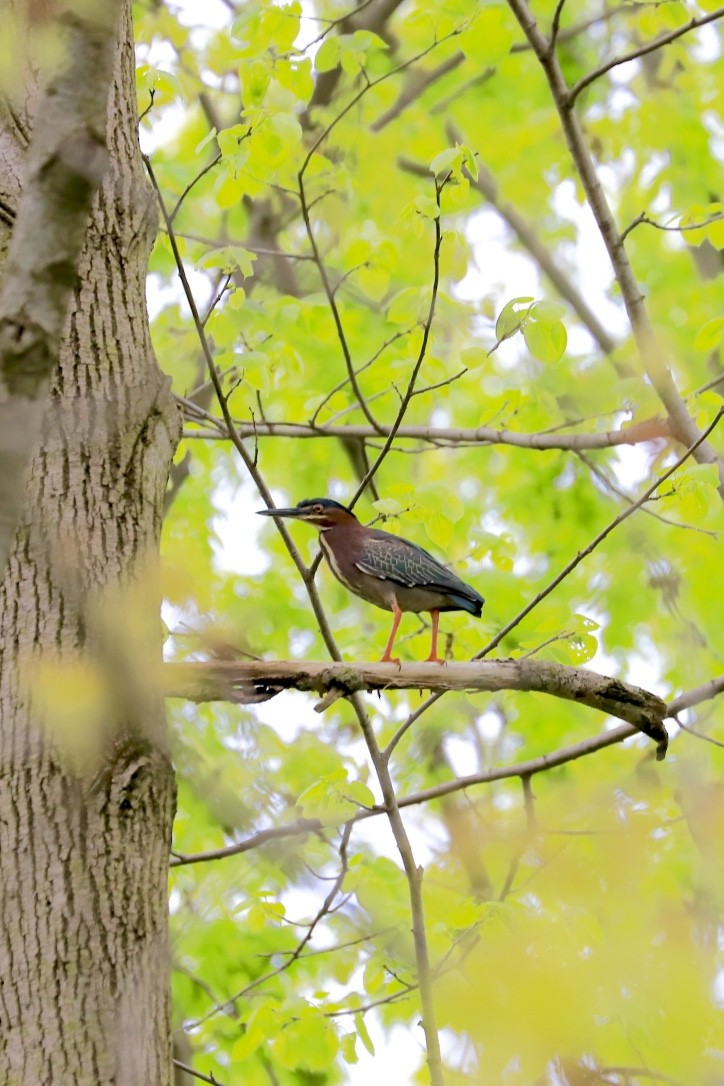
[[690, 698], [523, 770], [253, 681], [647, 430]]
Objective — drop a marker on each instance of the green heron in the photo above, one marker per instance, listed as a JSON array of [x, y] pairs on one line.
[[384, 569]]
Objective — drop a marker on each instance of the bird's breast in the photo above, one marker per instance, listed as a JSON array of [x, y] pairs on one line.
[[370, 588]]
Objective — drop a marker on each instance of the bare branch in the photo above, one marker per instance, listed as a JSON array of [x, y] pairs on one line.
[[646, 430], [556, 25], [427, 327], [650, 350], [235, 681], [197, 1074], [202, 173], [289, 960], [294, 829], [368, 87], [611, 486], [644, 220], [568, 569], [642, 51], [528, 768], [695, 697], [334, 308], [528, 236], [416, 85]]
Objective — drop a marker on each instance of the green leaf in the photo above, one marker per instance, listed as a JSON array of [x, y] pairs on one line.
[[206, 140], [439, 528], [547, 311], [583, 647], [710, 335], [363, 1033], [489, 37], [287, 128], [230, 258], [404, 307], [471, 161], [373, 977], [229, 192], [349, 1048], [389, 507], [426, 206], [327, 56], [308, 1044], [374, 282], [472, 357], [446, 161], [546, 340], [358, 793], [511, 317]]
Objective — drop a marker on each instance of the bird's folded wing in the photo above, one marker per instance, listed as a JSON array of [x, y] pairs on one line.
[[406, 564]]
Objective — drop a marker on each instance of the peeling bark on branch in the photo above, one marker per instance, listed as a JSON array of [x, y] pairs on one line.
[[259, 680]]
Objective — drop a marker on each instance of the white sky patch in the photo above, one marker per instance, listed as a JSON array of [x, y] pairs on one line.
[[239, 529]]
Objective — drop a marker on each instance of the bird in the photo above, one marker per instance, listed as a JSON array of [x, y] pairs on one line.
[[384, 569]]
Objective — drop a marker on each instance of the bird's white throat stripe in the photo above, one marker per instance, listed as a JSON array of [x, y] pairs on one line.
[[329, 555]]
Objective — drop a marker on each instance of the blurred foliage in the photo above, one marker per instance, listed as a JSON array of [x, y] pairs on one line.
[[573, 931]]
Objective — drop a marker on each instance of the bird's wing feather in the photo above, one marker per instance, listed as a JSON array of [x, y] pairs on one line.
[[391, 558]]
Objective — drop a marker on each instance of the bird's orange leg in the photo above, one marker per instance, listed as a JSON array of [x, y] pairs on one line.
[[433, 658], [396, 616]]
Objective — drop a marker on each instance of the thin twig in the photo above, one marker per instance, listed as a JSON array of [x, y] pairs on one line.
[[370, 86], [374, 467], [611, 486], [647, 430], [334, 308], [556, 25], [202, 173], [650, 350], [644, 220], [340, 385], [694, 697], [197, 1074], [294, 956], [568, 569], [529, 768], [642, 51]]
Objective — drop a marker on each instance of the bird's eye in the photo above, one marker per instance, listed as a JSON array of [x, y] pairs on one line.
[[318, 509]]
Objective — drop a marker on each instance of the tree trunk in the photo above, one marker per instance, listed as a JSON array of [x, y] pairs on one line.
[[87, 789]]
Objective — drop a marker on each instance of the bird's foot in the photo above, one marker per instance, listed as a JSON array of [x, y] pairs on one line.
[[387, 659], [433, 658]]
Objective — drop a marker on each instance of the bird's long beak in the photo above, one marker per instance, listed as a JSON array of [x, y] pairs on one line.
[[280, 512]]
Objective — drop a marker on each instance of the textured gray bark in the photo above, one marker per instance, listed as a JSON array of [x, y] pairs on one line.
[[61, 171], [86, 786]]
